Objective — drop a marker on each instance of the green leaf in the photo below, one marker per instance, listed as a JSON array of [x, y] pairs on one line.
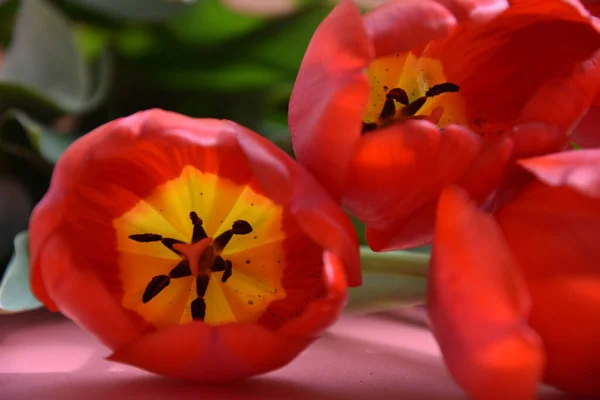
[[15, 293], [210, 22], [284, 43], [44, 66], [49, 144], [143, 10]]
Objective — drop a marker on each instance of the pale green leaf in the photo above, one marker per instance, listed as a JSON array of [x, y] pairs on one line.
[[44, 65], [15, 293]]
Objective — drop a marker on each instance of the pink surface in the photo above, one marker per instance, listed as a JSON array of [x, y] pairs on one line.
[[380, 356]]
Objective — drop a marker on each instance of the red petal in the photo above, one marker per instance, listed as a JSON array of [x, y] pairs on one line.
[[593, 6], [82, 297], [553, 232], [288, 183], [398, 26], [587, 133], [474, 10], [330, 96], [398, 171], [50, 211], [488, 169], [199, 352], [524, 57], [577, 169], [550, 102], [565, 314], [203, 353], [528, 140], [478, 305]]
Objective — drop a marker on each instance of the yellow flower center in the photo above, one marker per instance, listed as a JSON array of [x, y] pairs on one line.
[[405, 87], [201, 247]]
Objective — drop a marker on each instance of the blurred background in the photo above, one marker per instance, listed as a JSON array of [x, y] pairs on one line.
[[68, 66]]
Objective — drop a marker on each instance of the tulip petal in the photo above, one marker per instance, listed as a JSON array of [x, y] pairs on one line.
[[199, 352], [577, 169], [488, 169], [397, 26], [50, 211], [520, 66], [474, 10], [535, 139], [587, 133], [316, 213], [565, 314], [580, 88], [478, 305], [553, 233], [397, 174], [81, 296], [330, 96], [319, 314]]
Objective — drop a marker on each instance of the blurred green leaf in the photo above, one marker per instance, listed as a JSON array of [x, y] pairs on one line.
[[43, 64], [144, 10], [227, 77], [15, 293], [209, 23], [49, 144], [284, 43]]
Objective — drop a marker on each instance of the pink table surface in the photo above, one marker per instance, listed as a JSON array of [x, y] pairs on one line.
[[377, 356]]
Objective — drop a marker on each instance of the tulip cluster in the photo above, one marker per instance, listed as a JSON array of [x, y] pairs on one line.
[[196, 249]]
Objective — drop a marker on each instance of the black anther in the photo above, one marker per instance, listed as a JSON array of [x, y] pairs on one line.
[[399, 95], [198, 308], [241, 227], [146, 237], [199, 232], [156, 285], [446, 87], [228, 271]]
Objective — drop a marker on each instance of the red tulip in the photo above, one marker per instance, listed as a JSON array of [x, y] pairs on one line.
[[373, 91], [514, 297], [193, 248]]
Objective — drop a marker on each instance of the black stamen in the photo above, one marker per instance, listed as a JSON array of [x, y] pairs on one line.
[[368, 127], [441, 88], [169, 242], [199, 232], [241, 227], [198, 307], [228, 271], [201, 284], [156, 285], [414, 107], [181, 270], [399, 95], [388, 110], [218, 264], [146, 237], [221, 241]]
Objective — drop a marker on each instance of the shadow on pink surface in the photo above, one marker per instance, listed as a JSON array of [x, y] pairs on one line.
[[45, 356]]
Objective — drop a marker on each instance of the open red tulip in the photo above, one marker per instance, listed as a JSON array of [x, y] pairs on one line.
[[193, 248], [513, 297], [373, 92]]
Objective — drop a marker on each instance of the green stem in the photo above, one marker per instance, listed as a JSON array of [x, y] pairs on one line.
[[391, 280], [405, 263]]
